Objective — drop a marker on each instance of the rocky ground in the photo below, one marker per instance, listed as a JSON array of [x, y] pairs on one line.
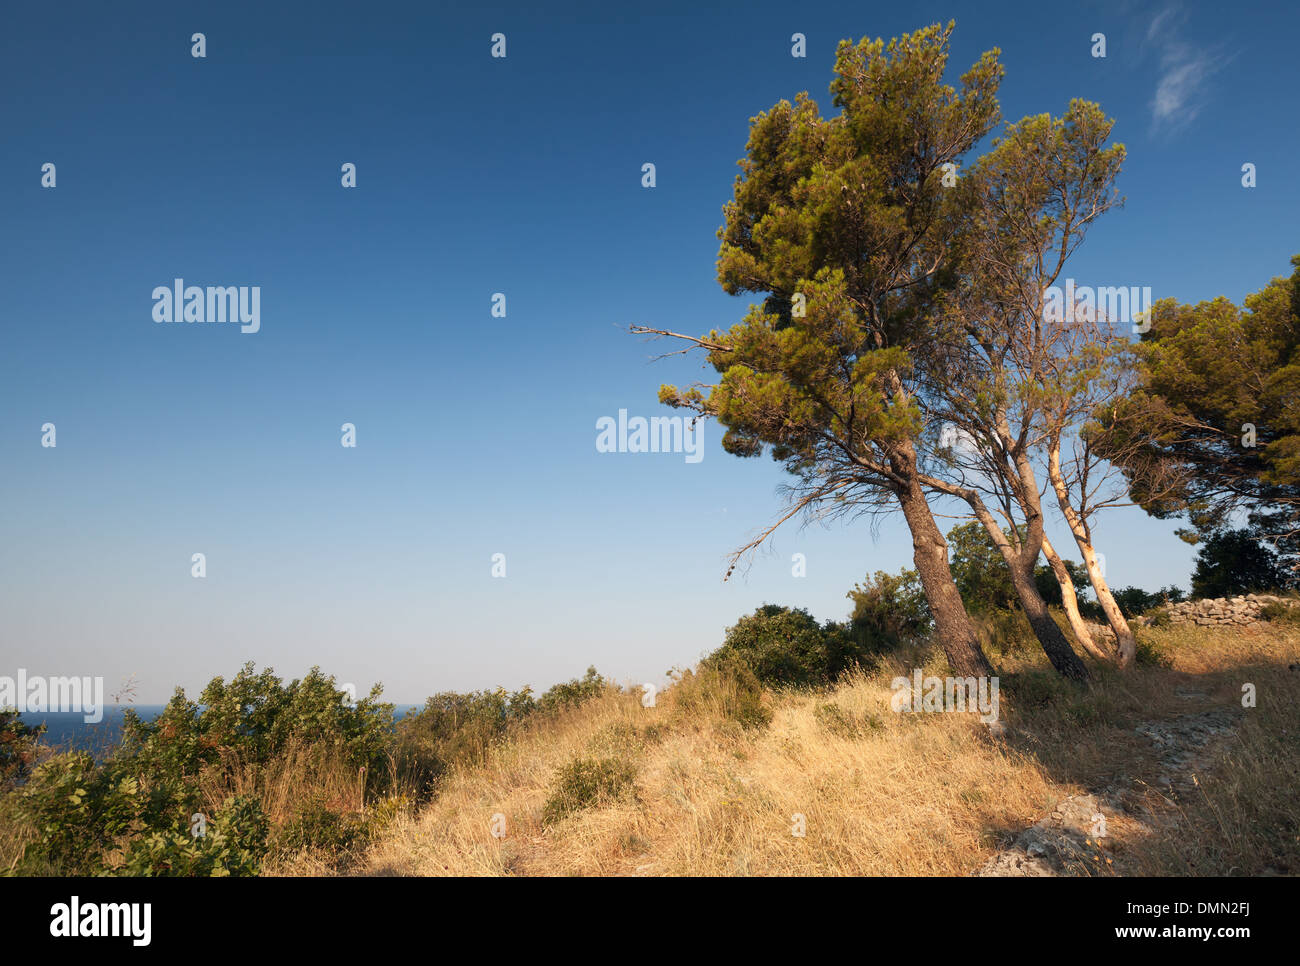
[[1073, 838]]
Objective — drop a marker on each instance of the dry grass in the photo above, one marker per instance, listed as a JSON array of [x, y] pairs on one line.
[[1242, 814], [279, 785], [720, 772], [15, 836], [882, 793], [716, 799]]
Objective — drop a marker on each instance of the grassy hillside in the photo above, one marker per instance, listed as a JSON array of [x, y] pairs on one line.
[[1160, 770], [699, 785]]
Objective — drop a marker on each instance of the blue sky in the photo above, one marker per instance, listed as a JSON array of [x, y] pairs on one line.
[[476, 434]]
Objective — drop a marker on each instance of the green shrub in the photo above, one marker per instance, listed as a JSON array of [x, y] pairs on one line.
[[589, 783], [888, 611], [1134, 601], [572, 693], [455, 728], [255, 717], [132, 812], [320, 827], [81, 811], [306, 740], [317, 826], [978, 569], [98, 819], [232, 844], [786, 647], [1049, 588], [19, 748]]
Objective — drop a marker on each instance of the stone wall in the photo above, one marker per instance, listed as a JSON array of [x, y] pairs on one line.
[[1223, 610]]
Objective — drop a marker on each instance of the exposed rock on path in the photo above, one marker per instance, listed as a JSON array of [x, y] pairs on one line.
[[1066, 842]]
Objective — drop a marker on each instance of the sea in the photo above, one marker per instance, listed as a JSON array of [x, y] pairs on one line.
[[69, 731]]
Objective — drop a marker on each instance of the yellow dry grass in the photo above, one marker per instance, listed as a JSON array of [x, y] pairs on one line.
[[893, 794]]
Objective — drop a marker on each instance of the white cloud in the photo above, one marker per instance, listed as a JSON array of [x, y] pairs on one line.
[[1185, 71], [1160, 21]]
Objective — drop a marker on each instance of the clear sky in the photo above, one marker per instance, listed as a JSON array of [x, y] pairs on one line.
[[476, 435]]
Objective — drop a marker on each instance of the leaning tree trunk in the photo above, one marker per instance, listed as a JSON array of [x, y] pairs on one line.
[[1070, 603], [1022, 558], [1021, 564], [1055, 645], [930, 553], [1125, 643]]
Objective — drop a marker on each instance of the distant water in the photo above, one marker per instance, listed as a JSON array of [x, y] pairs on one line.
[[69, 731]]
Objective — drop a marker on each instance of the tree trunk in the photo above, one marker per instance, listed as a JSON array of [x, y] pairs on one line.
[[930, 553], [1070, 602], [1021, 565], [1126, 644], [1058, 649]]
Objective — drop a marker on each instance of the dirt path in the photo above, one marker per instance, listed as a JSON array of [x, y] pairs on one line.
[[1072, 839]]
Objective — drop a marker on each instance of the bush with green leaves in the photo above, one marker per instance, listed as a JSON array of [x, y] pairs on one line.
[[95, 819], [83, 812], [569, 694], [452, 728], [786, 647], [984, 581], [254, 717], [321, 827], [590, 783], [889, 610], [456, 728], [980, 572], [232, 843], [19, 748], [131, 812], [1049, 588]]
